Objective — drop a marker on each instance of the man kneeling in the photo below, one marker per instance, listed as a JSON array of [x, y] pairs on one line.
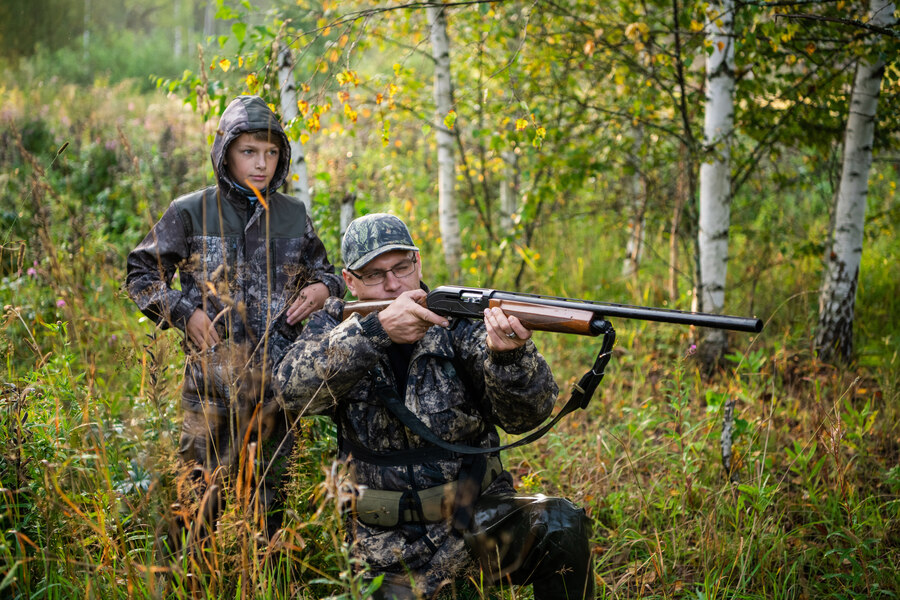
[[429, 518]]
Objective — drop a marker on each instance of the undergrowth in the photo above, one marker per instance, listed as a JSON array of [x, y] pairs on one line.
[[808, 507]]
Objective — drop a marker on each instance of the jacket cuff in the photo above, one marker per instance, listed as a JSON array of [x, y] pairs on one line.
[[511, 356], [372, 329], [182, 312]]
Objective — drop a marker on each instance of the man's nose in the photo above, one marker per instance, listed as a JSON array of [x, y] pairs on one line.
[[391, 281]]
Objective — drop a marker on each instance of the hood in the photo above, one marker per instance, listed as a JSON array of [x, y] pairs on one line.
[[248, 113]]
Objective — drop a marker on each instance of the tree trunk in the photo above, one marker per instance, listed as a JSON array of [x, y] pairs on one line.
[[298, 181], [683, 193], [348, 211], [837, 300], [509, 191], [443, 97], [715, 174], [638, 204], [177, 42]]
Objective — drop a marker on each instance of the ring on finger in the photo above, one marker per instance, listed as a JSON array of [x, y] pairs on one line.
[[511, 334]]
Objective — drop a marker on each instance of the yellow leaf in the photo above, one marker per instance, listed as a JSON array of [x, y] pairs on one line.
[[450, 119], [696, 25], [521, 124], [240, 61], [225, 64], [303, 107], [304, 137], [379, 98]]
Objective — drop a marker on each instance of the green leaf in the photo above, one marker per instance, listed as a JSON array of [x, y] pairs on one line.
[[239, 30]]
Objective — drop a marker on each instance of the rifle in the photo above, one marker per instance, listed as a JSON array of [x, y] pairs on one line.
[[543, 313], [551, 313]]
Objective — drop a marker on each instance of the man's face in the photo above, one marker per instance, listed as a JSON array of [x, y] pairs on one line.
[[252, 160], [386, 265]]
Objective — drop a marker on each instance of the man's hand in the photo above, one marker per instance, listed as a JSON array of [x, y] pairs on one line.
[[405, 320], [504, 333], [200, 330], [311, 299]]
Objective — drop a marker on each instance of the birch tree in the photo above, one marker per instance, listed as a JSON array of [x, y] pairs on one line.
[[298, 182], [715, 171], [448, 212], [636, 220], [837, 299]]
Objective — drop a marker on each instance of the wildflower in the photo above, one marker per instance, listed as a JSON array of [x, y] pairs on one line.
[[31, 272], [691, 350], [60, 303]]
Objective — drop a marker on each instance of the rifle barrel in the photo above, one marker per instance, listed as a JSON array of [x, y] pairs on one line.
[[611, 310]]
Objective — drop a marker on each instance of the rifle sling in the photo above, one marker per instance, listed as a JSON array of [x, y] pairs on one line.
[[581, 396]]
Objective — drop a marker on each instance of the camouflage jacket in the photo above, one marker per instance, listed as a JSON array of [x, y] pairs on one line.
[[236, 260], [339, 368]]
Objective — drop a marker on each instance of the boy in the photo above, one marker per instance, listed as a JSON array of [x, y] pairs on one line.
[[250, 271]]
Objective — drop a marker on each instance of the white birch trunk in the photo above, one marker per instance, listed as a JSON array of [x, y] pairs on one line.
[[509, 186], [636, 221], [209, 19], [837, 299], [443, 97], [715, 171], [298, 179], [177, 42]]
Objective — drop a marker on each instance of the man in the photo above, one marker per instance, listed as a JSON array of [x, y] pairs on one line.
[[428, 518]]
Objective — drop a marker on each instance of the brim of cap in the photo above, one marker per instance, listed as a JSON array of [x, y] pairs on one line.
[[369, 257]]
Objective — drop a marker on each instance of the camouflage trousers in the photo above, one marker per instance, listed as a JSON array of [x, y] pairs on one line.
[[521, 540], [239, 455]]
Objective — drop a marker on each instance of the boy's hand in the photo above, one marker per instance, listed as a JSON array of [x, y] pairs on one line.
[[200, 330], [311, 299]]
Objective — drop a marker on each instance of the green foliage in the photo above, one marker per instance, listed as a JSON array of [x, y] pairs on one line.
[[586, 97]]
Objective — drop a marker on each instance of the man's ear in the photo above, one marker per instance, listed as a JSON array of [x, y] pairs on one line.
[[350, 280]]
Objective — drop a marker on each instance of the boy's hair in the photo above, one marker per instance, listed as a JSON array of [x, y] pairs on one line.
[[267, 135]]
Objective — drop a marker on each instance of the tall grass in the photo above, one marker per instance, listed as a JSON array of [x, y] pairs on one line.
[[90, 410]]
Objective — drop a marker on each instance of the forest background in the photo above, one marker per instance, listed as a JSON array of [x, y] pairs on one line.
[[576, 135]]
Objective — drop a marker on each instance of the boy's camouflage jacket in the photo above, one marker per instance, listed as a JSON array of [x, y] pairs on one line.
[[237, 260]]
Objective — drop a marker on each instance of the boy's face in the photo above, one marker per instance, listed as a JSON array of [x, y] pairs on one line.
[[251, 160]]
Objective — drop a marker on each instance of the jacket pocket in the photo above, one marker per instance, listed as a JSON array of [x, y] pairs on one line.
[[223, 376]]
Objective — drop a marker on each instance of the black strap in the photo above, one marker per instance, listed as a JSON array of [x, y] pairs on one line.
[[581, 396], [468, 489]]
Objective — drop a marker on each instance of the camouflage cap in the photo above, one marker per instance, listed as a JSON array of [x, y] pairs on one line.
[[371, 236]]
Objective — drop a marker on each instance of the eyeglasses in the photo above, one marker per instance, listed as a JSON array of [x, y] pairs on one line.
[[402, 269]]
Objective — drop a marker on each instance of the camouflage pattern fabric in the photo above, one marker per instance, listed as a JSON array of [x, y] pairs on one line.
[[372, 235], [242, 263], [334, 368]]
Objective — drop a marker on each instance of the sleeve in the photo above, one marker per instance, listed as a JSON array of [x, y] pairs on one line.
[[318, 264], [518, 386], [150, 268], [328, 359]]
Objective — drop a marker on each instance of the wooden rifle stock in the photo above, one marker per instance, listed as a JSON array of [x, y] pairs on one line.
[[549, 313]]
